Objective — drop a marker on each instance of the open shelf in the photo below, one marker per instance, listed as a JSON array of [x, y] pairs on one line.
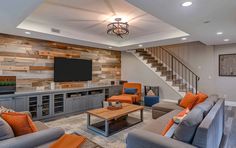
[[58, 103], [76, 94], [95, 92]]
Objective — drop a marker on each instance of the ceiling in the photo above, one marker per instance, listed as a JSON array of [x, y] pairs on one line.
[[202, 20], [152, 22], [87, 20]]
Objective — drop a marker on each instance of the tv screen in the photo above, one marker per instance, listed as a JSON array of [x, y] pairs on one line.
[[69, 70]]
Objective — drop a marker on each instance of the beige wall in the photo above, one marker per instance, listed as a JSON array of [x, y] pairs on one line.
[[134, 70], [199, 58], [202, 59], [226, 86]]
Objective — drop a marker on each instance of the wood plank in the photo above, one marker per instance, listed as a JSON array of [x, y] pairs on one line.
[[72, 85], [11, 54], [40, 68], [14, 68], [57, 54]]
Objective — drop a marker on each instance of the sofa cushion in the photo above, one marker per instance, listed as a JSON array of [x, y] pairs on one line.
[[189, 100], [5, 130], [210, 131], [20, 123], [205, 106], [124, 98], [157, 126], [130, 91], [187, 128], [151, 93], [166, 106]]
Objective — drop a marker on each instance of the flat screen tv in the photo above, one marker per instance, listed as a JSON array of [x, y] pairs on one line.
[[71, 70]]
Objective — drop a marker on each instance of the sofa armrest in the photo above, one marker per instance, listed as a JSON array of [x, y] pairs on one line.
[[33, 139], [144, 139]]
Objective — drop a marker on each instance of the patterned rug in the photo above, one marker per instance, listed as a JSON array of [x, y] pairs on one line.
[[78, 124]]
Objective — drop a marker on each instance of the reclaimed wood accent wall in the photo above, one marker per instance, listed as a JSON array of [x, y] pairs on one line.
[[31, 61]]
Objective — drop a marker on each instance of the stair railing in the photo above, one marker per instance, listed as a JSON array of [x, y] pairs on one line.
[[179, 70]]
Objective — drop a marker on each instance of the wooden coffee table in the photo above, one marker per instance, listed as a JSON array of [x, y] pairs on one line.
[[114, 120]]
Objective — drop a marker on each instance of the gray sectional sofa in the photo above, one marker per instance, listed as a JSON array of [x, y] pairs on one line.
[[202, 127], [43, 136]]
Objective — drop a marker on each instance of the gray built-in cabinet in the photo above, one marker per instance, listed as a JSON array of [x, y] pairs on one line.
[[51, 103]]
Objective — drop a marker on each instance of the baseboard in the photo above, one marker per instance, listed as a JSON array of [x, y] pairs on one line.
[[230, 103]]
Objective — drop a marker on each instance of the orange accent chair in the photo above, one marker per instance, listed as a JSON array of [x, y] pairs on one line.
[[128, 98]]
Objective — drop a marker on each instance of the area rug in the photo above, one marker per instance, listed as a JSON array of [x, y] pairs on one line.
[[78, 124]]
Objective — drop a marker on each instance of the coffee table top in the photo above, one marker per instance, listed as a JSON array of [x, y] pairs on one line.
[[107, 114]]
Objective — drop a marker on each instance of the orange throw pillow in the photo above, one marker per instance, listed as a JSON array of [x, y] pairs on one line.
[[171, 122], [20, 123], [167, 127], [69, 141], [189, 100], [201, 97]]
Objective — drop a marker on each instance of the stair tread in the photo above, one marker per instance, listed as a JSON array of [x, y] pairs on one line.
[[148, 57], [160, 67], [144, 54]]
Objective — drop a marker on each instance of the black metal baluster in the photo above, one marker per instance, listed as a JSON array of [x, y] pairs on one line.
[[186, 79], [196, 84]]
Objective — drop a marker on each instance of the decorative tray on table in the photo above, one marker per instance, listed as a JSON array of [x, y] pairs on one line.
[[114, 106]]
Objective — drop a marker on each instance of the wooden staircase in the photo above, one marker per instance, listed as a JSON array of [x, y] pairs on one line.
[[170, 68]]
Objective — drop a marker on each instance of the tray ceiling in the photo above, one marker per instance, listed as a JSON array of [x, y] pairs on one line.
[[86, 20]]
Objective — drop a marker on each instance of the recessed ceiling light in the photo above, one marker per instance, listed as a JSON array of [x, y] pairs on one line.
[[110, 47], [140, 45], [183, 39], [186, 4], [27, 32], [219, 33], [226, 40]]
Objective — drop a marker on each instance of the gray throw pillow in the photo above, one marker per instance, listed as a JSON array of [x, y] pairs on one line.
[[187, 128], [6, 131], [205, 107]]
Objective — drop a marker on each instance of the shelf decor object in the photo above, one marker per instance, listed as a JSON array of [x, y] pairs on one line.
[[227, 65], [7, 84], [118, 28], [114, 106]]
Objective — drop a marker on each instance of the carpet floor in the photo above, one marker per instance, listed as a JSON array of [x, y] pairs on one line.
[[77, 123]]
